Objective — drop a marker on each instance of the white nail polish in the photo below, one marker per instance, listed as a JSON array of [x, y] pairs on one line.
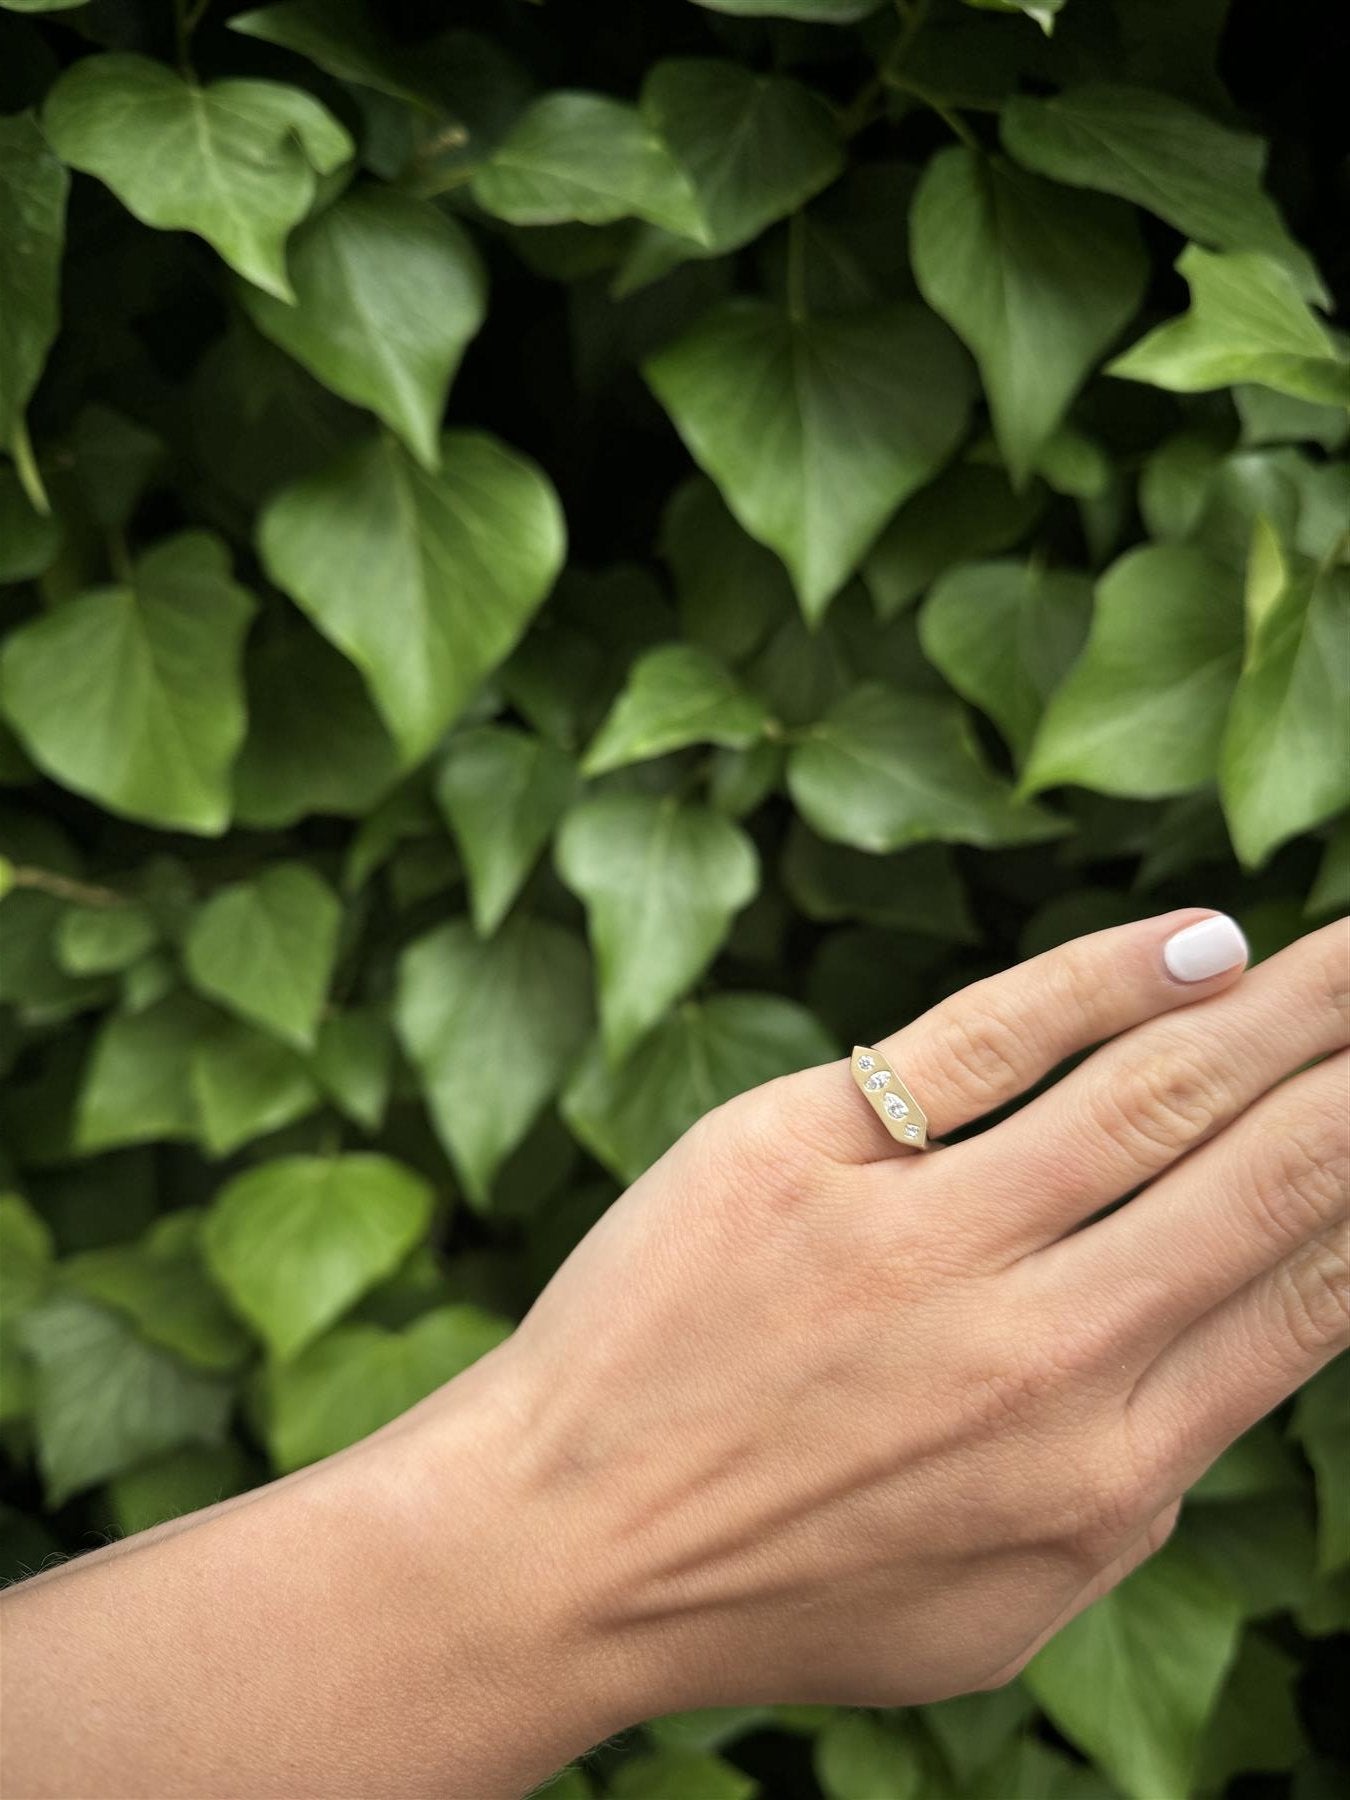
[[1200, 951]]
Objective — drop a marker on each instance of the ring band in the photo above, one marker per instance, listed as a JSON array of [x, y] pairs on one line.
[[889, 1098]]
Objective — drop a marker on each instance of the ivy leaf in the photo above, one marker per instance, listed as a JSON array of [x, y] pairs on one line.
[[919, 890], [179, 1482], [236, 162], [884, 769], [681, 1775], [388, 294], [101, 940], [859, 1756], [460, 559], [1142, 712], [584, 157], [26, 1271], [359, 1377], [1248, 322], [1005, 634], [339, 37], [315, 743], [970, 511], [502, 792], [104, 1400], [160, 1285], [973, 1728], [676, 695], [492, 1029], [132, 695], [1031, 1770], [1037, 279], [1255, 1725], [1331, 890], [732, 591], [700, 1055], [1163, 1641], [245, 1084], [661, 883], [29, 540], [815, 429], [1163, 155], [137, 1084], [33, 188], [752, 147], [1285, 760], [352, 1063], [264, 949], [297, 1240]]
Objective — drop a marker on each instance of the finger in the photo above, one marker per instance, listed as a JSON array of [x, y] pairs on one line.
[[1141, 1102], [992, 1041], [1275, 1178], [1147, 1544], [1232, 1366]]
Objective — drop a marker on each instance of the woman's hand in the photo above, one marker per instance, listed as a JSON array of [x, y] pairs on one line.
[[806, 1417], [823, 1420]]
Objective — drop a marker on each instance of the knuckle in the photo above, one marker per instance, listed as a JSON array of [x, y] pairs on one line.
[[1304, 1187], [1312, 1291], [983, 1047], [1172, 1100]]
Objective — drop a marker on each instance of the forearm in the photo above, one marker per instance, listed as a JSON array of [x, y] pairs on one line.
[[380, 1624]]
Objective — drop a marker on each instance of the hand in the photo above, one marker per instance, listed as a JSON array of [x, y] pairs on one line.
[[814, 1419]]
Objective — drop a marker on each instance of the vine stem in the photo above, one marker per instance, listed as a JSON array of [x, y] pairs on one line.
[[26, 468], [65, 887]]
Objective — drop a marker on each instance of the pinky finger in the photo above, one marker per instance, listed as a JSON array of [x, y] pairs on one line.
[[1252, 1351], [1147, 1544]]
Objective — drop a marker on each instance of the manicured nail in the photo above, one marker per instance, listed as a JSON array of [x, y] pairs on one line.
[[1208, 948]]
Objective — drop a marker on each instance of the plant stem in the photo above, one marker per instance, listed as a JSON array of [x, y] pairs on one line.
[[25, 467], [952, 120], [65, 887]]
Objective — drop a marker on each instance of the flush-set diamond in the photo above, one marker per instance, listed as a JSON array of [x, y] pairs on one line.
[[875, 1083], [867, 1062], [895, 1106]]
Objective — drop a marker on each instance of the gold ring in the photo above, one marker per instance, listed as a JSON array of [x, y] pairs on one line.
[[890, 1099]]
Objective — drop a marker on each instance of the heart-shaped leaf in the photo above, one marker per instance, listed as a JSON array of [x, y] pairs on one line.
[[33, 205], [676, 695], [264, 948]]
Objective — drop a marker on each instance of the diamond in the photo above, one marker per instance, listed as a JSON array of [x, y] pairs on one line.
[[875, 1083], [867, 1062], [912, 1132], [895, 1107]]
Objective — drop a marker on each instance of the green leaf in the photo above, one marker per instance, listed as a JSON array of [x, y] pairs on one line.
[[137, 1085], [681, 1775], [296, 1241], [33, 189], [1260, 1462], [700, 1055], [824, 12], [105, 1400], [1162, 1644], [1142, 712], [970, 511], [100, 940], [1031, 1770], [388, 294], [236, 162], [1163, 155], [245, 1084], [182, 1481], [1248, 322], [752, 147], [707, 1727], [972, 1729], [919, 890], [339, 37], [25, 1257], [315, 743], [861, 1757], [731, 590], [492, 1029], [661, 883], [1322, 1425], [1255, 1725], [676, 695], [502, 792], [29, 540], [1005, 634], [359, 1377], [352, 1063], [589, 158], [884, 769], [132, 695], [815, 429], [1331, 890], [1271, 418], [1037, 279], [461, 561], [160, 1285], [1285, 762], [265, 949]]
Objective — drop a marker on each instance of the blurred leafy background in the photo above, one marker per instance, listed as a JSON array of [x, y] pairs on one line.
[[559, 562]]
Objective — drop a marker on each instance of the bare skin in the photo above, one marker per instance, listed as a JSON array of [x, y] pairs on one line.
[[804, 1418]]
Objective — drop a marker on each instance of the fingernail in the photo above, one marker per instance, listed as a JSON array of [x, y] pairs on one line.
[[1200, 951]]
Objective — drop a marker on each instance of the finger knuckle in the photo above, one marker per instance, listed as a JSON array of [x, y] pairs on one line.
[[1174, 1099], [983, 1048], [1312, 1292], [1303, 1186]]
